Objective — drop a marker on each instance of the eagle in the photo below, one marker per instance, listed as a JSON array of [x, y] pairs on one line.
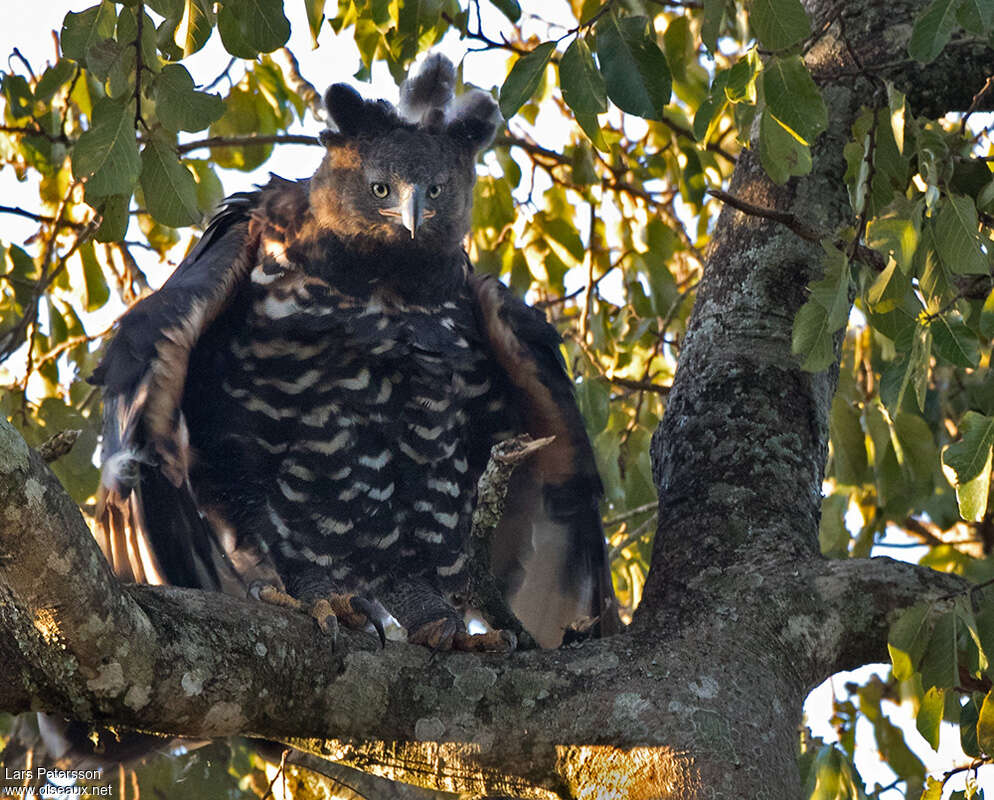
[[303, 410]]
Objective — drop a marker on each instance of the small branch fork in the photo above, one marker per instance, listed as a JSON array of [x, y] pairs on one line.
[[807, 232]]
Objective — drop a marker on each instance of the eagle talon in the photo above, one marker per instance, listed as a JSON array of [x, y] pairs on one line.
[[437, 635], [364, 607]]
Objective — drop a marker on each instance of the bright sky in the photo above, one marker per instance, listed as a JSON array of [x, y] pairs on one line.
[[337, 60]]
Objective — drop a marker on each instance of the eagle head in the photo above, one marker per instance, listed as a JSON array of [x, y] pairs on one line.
[[403, 177]]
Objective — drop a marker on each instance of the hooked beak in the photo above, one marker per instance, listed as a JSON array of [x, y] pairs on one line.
[[411, 208]]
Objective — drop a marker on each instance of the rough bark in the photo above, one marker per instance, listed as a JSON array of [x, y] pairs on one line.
[[741, 615]]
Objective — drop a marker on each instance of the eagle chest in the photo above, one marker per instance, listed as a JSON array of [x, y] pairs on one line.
[[366, 424]]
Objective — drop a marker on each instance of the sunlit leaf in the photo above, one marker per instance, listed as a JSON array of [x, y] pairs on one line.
[[780, 152], [907, 639], [195, 26], [315, 17], [929, 718], [968, 464], [793, 98]]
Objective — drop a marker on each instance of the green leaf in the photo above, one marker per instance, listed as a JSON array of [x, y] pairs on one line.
[[635, 70], [985, 632], [955, 342], [780, 153], [933, 789], [20, 98], [315, 18], [929, 719], [956, 238], [987, 317], [95, 290], [169, 188], [709, 112], [779, 23], [793, 98], [524, 78], [932, 30], [968, 456], [940, 662], [581, 82], [848, 443], [107, 154], [179, 105], [114, 222], [907, 639], [261, 23], [896, 231], [917, 367], [825, 312], [210, 192], [246, 111], [509, 8], [898, 111], [968, 464], [833, 536], [53, 79], [968, 718], [985, 724], [742, 79], [81, 31], [714, 13], [977, 16]]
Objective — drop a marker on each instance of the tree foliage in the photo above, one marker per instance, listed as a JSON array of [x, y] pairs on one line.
[[625, 120]]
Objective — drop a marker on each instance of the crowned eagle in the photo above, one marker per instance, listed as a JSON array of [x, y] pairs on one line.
[[304, 408]]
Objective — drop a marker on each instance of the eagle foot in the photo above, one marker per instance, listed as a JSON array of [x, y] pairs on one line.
[[450, 634], [351, 610]]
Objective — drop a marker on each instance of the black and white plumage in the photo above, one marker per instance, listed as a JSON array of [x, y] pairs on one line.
[[310, 399]]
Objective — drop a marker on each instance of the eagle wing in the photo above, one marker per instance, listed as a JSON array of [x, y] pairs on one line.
[[549, 548], [150, 526]]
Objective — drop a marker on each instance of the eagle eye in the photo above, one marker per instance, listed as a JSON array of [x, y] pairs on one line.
[[434, 191], [380, 190]]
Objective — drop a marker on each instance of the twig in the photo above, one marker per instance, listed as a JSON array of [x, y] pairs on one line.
[[225, 73], [975, 103], [245, 141], [27, 65], [139, 65], [62, 223], [637, 534], [641, 386]]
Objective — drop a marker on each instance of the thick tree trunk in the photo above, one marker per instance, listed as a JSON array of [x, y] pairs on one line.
[[741, 615]]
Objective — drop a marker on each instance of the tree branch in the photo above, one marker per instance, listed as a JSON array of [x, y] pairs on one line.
[[78, 642]]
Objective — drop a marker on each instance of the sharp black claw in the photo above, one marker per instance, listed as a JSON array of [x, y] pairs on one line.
[[362, 606]]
